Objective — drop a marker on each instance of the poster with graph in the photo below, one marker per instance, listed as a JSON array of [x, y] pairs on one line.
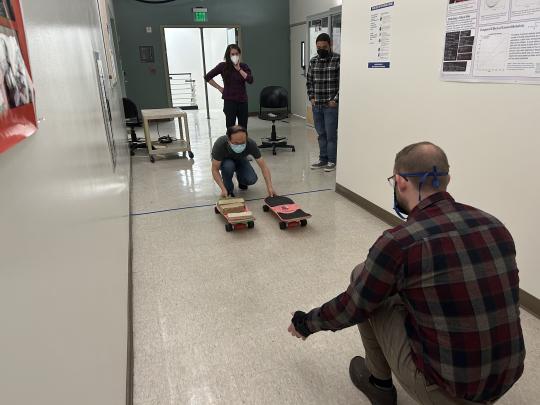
[[492, 41]]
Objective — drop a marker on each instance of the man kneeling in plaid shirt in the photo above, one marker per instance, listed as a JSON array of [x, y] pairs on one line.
[[437, 299]]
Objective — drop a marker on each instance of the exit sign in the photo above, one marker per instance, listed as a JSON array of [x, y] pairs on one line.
[[200, 14]]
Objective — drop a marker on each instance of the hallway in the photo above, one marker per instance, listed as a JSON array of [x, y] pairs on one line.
[[211, 309]]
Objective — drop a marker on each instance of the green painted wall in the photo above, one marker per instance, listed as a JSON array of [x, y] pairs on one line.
[[264, 40]]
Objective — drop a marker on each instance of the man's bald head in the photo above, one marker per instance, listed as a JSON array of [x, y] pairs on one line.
[[422, 157]]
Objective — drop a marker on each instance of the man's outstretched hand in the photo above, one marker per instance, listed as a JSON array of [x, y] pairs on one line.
[[292, 330]]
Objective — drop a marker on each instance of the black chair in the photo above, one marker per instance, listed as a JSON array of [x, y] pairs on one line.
[[274, 106], [133, 120]]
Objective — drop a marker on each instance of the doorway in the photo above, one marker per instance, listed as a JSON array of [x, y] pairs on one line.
[[190, 52]]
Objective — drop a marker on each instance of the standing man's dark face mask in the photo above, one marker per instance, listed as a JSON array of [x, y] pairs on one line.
[[323, 53]]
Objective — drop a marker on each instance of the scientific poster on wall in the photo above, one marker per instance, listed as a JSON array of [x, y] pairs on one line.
[[380, 34], [492, 41], [17, 113]]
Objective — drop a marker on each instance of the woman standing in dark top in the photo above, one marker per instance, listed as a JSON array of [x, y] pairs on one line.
[[235, 75]]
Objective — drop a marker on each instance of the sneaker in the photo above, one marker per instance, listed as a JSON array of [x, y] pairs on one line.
[[330, 167], [319, 165], [360, 378], [242, 186]]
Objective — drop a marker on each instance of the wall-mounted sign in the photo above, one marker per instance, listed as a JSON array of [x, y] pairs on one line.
[[146, 54], [17, 113], [200, 14], [380, 34]]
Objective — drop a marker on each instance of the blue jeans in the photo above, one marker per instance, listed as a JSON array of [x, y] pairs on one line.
[[326, 124], [244, 173]]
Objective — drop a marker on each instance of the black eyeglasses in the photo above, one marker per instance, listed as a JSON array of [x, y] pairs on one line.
[[392, 179]]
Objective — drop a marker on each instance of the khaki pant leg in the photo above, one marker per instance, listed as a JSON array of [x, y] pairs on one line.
[[387, 348]]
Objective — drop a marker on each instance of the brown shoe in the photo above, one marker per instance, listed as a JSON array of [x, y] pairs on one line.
[[360, 378]]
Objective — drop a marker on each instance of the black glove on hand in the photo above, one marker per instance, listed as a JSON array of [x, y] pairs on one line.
[[299, 322]]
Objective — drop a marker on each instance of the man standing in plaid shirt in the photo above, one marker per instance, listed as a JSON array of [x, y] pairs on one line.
[[323, 93], [437, 299]]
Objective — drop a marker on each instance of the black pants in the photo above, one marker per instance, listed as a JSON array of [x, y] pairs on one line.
[[233, 110]]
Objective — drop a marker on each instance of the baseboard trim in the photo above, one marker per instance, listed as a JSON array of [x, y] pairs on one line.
[[530, 303], [130, 353], [527, 301], [373, 209]]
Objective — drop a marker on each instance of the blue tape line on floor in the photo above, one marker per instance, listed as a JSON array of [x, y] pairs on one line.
[[138, 214]]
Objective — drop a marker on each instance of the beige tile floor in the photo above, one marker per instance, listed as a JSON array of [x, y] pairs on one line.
[[211, 308]]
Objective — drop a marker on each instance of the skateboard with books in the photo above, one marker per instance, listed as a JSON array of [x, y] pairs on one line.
[[236, 213]]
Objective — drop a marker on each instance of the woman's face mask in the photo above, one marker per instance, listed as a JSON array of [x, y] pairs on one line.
[[235, 59], [238, 148]]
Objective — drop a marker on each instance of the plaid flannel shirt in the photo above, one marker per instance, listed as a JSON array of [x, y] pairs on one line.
[[323, 79], [455, 270]]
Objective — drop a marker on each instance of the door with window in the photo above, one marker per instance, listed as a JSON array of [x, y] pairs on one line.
[[190, 54]]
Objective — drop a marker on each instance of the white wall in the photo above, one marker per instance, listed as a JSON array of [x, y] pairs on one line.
[[64, 221], [300, 9], [489, 131]]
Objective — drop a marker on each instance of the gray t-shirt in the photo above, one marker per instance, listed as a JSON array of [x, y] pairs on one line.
[[222, 150]]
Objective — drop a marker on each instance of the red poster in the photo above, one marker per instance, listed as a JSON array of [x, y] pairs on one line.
[[17, 113]]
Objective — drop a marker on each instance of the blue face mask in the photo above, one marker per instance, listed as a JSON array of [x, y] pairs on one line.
[[238, 148]]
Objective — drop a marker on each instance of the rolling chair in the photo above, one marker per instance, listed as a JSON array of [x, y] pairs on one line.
[[131, 113], [274, 106]]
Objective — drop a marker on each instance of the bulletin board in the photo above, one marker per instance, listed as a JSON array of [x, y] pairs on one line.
[[17, 111]]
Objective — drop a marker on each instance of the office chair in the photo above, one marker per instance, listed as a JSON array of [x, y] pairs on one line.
[[274, 106], [131, 113]]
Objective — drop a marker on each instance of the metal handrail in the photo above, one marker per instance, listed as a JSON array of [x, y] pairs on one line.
[[183, 90]]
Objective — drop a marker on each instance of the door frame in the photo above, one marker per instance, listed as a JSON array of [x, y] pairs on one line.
[[165, 56], [330, 13]]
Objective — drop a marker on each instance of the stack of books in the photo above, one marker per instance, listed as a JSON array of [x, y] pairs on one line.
[[235, 210]]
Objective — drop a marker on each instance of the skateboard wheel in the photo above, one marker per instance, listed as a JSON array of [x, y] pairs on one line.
[[282, 225], [229, 227], [152, 159], [303, 222], [216, 210], [251, 224], [191, 155], [266, 208]]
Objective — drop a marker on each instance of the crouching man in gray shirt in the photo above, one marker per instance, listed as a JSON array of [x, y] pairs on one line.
[[229, 155]]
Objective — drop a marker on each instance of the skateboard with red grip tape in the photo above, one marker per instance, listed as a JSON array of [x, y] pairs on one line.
[[289, 213]]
